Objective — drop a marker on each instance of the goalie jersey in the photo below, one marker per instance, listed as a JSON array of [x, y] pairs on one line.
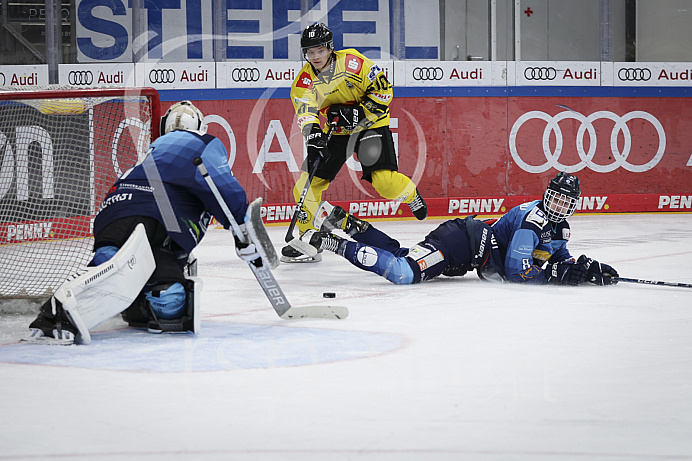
[[167, 186], [351, 79]]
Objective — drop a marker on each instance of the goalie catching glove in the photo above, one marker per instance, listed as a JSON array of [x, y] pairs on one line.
[[598, 273], [566, 273]]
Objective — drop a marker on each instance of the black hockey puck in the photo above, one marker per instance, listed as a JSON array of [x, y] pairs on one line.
[[329, 295]]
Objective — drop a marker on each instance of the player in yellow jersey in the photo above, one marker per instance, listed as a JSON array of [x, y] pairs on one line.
[[346, 87]]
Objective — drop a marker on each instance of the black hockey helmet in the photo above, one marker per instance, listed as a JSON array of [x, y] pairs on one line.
[[561, 197], [316, 35]]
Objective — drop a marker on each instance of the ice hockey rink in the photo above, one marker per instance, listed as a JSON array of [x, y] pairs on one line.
[[448, 369]]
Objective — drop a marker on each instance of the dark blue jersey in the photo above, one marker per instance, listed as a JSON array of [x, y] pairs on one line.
[[527, 240], [167, 186]]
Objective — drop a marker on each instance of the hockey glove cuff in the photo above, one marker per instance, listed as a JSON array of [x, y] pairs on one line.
[[598, 273]]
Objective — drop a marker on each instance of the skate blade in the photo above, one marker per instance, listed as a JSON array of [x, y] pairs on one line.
[[302, 259], [47, 341]]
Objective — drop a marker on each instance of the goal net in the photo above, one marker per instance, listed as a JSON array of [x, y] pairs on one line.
[[61, 149]]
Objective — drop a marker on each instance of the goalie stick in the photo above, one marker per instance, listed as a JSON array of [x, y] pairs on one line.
[[296, 242], [654, 282], [263, 273]]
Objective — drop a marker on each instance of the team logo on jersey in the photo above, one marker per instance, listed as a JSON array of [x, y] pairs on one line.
[[304, 81], [536, 217], [566, 233], [546, 237], [374, 70], [367, 256], [354, 64]]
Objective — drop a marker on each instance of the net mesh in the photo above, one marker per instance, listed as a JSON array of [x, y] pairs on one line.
[[59, 155]]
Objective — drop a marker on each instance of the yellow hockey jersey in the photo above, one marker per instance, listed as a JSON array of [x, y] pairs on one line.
[[351, 79]]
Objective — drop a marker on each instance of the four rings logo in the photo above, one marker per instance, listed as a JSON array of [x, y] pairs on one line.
[[636, 74], [2, 79], [540, 73], [428, 73], [162, 76], [80, 77], [245, 74], [586, 157]]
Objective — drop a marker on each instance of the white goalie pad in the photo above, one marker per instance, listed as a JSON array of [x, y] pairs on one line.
[[258, 233], [196, 304], [98, 293]]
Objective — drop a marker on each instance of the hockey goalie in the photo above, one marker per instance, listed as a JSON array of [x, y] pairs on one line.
[[144, 232]]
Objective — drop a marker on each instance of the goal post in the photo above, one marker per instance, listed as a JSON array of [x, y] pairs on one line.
[[61, 149]]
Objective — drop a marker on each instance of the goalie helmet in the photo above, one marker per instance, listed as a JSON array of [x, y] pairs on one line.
[[560, 199], [183, 115], [316, 35]]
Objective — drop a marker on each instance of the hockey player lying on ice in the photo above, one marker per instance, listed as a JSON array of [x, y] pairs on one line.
[[526, 245], [146, 227]]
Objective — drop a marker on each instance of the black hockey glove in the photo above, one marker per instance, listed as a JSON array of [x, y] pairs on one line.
[[598, 273], [347, 117], [316, 142], [565, 273]]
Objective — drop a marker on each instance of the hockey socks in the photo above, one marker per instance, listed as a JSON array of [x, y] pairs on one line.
[[381, 262]]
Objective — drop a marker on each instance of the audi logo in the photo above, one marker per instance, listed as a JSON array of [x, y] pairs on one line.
[[162, 76], [2, 79], [245, 74], [428, 73], [634, 74], [586, 157], [540, 73], [80, 77]]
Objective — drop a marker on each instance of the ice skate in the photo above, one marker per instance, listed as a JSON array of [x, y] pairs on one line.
[[418, 207]]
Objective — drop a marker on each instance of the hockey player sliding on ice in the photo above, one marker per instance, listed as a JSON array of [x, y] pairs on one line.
[[526, 245], [346, 87], [144, 232]]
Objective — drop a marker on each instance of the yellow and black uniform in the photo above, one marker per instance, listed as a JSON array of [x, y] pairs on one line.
[[350, 80]]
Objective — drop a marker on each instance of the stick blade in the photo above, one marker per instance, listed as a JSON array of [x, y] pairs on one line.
[[316, 312]]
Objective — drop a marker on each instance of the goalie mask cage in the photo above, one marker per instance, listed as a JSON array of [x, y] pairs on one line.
[[61, 149]]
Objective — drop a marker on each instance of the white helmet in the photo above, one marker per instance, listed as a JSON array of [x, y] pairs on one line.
[[183, 115]]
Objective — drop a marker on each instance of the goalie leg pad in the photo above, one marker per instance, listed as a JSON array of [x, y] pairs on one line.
[[100, 292]]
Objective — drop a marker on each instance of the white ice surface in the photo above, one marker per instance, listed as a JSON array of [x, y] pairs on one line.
[[448, 369]]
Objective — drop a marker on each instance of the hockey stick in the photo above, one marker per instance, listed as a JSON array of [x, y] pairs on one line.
[[654, 282], [296, 242], [264, 275]]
